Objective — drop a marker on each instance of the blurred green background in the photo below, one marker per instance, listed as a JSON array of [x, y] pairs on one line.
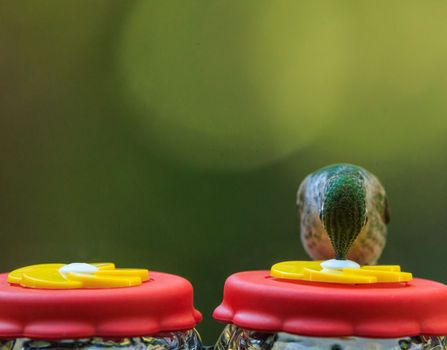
[[174, 134]]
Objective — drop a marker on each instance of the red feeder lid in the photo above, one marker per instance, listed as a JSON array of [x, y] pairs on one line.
[[255, 300], [164, 303]]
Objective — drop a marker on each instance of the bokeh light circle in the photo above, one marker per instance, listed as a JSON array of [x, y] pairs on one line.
[[394, 106], [232, 86]]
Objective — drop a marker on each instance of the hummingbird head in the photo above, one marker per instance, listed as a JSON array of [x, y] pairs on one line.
[[343, 212]]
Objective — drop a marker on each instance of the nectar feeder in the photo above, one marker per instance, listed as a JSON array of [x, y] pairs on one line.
[[89, 306], [334, 303]]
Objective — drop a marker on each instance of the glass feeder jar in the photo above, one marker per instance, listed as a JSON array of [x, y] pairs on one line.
[[296, 307], [91, 306]]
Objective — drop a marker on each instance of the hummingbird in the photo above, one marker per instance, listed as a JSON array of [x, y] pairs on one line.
[[343, 211]]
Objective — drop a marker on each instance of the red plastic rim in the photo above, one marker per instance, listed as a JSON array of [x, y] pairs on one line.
[[165, 303], [256, 301]]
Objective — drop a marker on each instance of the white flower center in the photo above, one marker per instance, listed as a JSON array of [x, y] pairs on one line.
[[78, 268], [334, 265]]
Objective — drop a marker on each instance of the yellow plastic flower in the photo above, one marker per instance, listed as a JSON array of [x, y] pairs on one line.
[[314, 272], [77, 275]]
